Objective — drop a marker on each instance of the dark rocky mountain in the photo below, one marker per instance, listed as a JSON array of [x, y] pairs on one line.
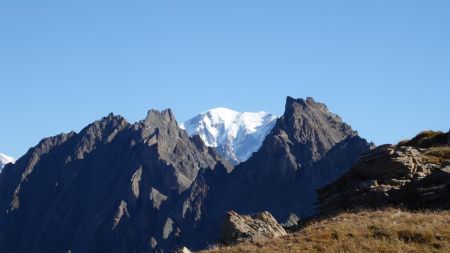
[[309, 147], [148, 187], [414, 174], [113, 187]]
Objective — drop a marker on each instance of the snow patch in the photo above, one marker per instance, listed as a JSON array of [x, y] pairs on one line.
[[4, 159]]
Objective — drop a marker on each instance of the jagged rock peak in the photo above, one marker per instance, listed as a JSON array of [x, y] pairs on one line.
[[164, 116], [309, 120], [308, 100], [104, 126], [157, 121], [318, 113], [99, 132], [303, 135]]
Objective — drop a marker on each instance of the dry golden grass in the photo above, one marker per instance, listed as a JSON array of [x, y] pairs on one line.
[[426, 139], [390, 230], [442, 152]]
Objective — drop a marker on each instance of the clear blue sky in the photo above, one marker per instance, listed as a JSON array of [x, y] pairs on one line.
[[384, 66]]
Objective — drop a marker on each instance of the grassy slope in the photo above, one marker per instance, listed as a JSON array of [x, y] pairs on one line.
[[390, 230]]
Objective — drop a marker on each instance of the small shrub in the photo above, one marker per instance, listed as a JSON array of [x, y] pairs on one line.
[[380, 233], [411, 236]]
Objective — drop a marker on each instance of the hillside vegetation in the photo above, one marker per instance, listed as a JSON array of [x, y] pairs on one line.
[[390, 230]]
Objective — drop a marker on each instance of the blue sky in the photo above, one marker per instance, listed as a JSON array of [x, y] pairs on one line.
[[384, 66]]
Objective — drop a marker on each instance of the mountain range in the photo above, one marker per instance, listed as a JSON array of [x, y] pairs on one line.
[[234, 135], [150, 187]]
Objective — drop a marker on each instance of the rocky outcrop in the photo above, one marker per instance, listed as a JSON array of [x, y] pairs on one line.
[[240, 228], [391, 175]]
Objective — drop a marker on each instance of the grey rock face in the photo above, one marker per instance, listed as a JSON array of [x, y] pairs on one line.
[[291, 222], [157, 198], [240, 228]]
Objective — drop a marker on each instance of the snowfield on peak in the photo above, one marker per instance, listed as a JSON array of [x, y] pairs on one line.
[[235, 135], [4, 159]]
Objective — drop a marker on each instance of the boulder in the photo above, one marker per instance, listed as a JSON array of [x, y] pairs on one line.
[[240, 228], [183, 250]]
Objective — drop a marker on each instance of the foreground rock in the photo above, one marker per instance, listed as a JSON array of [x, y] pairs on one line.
[[183, 250], [414, 174], [244, 228]]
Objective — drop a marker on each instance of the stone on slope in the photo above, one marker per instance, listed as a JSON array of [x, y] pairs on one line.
[[240, 228], [183, 250]]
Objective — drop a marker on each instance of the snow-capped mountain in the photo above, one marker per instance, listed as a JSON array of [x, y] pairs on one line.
[[4, 159], [235, 135]]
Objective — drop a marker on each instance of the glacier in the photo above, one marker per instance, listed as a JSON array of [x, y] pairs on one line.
[[235, 135]]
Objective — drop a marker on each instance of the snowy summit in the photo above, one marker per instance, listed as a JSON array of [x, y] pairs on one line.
[[235, 135], [4, 159]]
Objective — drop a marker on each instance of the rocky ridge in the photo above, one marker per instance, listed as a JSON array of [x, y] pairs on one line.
[[414, 174]]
